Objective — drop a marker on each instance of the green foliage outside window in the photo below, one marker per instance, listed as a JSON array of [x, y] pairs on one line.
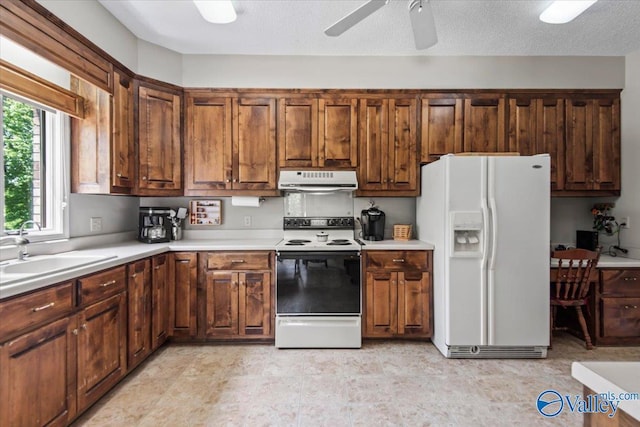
[[17, 132]]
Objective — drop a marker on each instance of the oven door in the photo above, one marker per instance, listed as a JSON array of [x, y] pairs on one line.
[[318, 283]]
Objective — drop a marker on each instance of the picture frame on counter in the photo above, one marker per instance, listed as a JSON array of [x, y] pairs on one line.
[[205, 212]]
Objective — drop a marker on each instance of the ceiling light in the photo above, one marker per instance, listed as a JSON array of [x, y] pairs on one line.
[[563, 11], [216, 11]]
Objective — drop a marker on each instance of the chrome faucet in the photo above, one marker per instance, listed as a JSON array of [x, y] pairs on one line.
[[22, 241]]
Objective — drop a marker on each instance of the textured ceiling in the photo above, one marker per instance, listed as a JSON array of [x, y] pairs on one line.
[[465, 27]]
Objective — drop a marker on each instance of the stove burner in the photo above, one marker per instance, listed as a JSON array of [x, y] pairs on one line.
[[339, 242], [293, 244], [298, 241]]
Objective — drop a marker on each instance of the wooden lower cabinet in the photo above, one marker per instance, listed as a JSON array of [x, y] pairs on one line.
[[102, 357], [159, 300], [139, 309], [37, 376], [617, 307], [397, 293], [236, 303], [183, 285]]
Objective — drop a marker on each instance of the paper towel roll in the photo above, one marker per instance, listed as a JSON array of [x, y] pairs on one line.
[[253, 202]]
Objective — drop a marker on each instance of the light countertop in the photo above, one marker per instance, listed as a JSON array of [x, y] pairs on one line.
[[396, 245], [611, 377], [608, 261]]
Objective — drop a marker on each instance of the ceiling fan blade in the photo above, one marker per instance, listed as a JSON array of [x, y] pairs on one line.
[[423, 24], [354, 17]]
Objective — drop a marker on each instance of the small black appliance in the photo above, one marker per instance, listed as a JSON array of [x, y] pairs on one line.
[[587, 240], [372, 221], [154, 225]]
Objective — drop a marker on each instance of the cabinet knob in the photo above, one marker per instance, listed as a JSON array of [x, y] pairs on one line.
[[134, 275], [75, 332], [157, 267], [630, 279], [228, 180], [84, 326], [235, 180], [119, 175], [144, 178], [630, 306]]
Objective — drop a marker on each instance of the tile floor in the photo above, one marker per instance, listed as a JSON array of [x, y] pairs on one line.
[[383, 384]]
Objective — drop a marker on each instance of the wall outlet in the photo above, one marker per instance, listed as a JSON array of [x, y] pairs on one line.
[[95, 224], [626, 221], [247, 221]]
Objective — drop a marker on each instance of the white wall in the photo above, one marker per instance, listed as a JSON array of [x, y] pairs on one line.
[[431, 72]]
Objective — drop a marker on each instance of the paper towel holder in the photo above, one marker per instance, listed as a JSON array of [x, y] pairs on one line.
[[247, 201]]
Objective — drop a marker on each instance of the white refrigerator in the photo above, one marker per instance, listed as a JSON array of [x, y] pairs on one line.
[[488, 217]]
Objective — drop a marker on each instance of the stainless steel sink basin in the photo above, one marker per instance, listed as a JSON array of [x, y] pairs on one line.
[[46, 264]]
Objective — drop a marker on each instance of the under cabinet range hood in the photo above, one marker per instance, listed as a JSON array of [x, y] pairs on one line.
[[318, 181]]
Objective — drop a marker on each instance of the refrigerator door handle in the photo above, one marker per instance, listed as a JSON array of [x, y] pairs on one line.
[[484, 277], [493, 212], [494, 231]]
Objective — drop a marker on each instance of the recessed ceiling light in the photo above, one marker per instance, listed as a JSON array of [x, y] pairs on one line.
[[216, 11], [563, 11]]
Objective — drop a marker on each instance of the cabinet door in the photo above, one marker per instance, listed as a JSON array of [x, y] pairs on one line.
[[550, 137], [373, 171], [139, 322], [254, 144], [338, 133], [402, 145], [298, 132], [37, 376], [381, 289], [606, 144], [159, 143], [122, 147], [220, 303], [208, 146], [183, 294], [536, 126], [91, 141], [484, 125], [441, 127], [254, 307], [414, 310], [579, 145], [620, 317], [160, 300], [102, 354]]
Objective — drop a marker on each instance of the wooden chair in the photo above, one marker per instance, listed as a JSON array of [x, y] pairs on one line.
[[570, 286]]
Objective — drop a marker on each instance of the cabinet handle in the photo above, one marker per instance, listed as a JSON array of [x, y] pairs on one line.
[[144, 178], [134, 275], [119, 175], [630, 306], [237, 261], [632, 279], [183, 261], [398, 260], [84, 326], [228, 180], [109, 283], [43, 307], [75, 331], [157, 267]]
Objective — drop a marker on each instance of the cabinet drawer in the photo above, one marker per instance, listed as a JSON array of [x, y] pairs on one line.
[[398, 260], [621, 317], [623, 283], [239, 261], [20, 313], [101, 285]]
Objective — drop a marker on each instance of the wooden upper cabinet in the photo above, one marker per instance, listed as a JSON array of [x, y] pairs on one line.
[[441, 127], [122, 147], [338, 133], [254, 144], [388, 146], [592, 153], [159, 142], [536, 126], [484, 124], [208, 145], [298, 132]]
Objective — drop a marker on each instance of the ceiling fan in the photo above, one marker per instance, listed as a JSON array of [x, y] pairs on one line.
[[424, 29]]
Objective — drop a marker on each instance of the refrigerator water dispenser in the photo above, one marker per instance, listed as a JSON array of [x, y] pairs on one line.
[[466, 228]]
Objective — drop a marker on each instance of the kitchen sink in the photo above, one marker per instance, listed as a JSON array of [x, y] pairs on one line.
[[44, 265]]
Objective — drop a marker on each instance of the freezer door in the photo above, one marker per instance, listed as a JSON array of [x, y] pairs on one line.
[[518, 259], [465, 276]]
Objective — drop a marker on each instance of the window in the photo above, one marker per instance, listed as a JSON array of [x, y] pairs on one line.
[[35, 146]]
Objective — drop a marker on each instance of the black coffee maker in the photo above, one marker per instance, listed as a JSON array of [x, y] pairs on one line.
[[154, 225], [372, 221]]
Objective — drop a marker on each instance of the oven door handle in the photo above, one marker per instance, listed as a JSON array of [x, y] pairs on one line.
[[316, 254]]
